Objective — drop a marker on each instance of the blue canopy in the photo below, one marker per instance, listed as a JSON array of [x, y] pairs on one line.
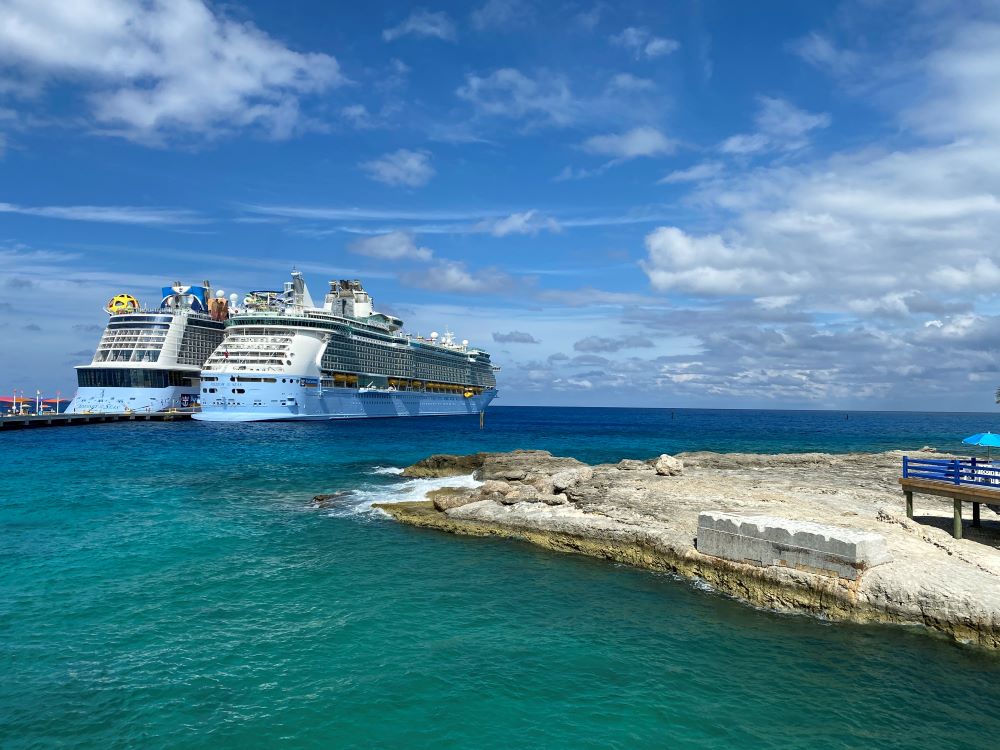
[[988, 439]]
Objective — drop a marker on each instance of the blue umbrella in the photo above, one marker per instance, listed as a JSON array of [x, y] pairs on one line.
[[989, 439]]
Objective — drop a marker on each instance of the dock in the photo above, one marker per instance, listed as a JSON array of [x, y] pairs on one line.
[[964, 480], [15, 422]]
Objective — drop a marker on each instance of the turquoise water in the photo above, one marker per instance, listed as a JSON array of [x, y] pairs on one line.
[[172, 585]]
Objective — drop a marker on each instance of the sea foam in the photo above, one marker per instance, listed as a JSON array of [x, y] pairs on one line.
[[410, 491]]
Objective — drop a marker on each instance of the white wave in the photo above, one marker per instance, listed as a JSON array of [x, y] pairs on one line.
[[386, 470], [410, 491]]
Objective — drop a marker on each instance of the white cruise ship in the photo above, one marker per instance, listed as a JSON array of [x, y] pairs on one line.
[[284, 358], [151, 360]]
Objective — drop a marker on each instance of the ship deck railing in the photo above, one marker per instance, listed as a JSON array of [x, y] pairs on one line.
[[964, 480]]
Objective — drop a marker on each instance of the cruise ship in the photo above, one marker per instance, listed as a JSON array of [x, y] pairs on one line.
[[150, 360], [284, 358]]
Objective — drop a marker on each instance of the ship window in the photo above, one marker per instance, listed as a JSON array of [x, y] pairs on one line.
[[239, 390]]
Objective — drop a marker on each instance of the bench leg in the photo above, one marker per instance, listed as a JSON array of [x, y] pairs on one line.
[[909, 504], [975, 515], [957, 529]]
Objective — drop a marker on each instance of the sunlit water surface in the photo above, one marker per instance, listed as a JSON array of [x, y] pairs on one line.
[[173, 585]]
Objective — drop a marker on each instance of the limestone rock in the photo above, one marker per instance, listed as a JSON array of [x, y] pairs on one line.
[[447, 498], [445, 465], [668, 466], [541, 482], [569, 477], [521, 465], [523, 493], [495, 486], [629, 464]]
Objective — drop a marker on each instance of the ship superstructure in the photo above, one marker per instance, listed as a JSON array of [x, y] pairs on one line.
[[285, 358], [150, 360]]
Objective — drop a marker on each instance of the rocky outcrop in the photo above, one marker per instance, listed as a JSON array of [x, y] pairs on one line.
[[645, 513], [445, 465]]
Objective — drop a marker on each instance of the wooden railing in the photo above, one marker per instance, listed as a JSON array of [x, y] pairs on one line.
[[957, 471]]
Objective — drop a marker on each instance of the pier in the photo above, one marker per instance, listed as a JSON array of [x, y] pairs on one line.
[[14, 422], [964, 480]]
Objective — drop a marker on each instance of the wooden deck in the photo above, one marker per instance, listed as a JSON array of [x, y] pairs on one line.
[[964, 480]]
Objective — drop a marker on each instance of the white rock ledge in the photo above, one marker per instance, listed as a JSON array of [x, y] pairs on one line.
[[812, 547]]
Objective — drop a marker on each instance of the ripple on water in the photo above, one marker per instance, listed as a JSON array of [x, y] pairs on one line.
[[159, 596]]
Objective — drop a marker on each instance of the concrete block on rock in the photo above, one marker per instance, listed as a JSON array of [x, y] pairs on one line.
[[812, 547]]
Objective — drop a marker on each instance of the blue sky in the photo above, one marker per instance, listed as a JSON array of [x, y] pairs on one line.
[[777, 204]]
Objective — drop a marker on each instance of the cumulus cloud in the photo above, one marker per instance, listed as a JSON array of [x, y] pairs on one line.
[[867, 277], [641, 43], [455, 276], [641, 141], [515, 337], [422, 22], [391, 246], [710, 266], [159, 68], [401, 168]]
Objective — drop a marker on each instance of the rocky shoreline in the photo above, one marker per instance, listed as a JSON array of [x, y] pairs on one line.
[[645, 514]]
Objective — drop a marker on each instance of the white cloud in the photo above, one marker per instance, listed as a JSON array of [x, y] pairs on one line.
[[109, 214], [817, 49], [703, 171], [357, 114], [507, 92], [501, 14], [779, 118], [391, 246], [709, 265], [780, 125], [745, 144], [402, 167], [964, 87], [626, 82], [642, 44], [160, 68], [422, 22], [641, 141], [454, 276], [525, 222]]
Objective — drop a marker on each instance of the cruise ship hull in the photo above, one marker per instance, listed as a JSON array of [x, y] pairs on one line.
[[276, 403], [114, 400]]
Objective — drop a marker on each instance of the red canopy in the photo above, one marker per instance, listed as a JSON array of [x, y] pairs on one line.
[[26, 399]]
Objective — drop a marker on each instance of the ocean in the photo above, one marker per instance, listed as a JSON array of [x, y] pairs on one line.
[[173, 585]]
